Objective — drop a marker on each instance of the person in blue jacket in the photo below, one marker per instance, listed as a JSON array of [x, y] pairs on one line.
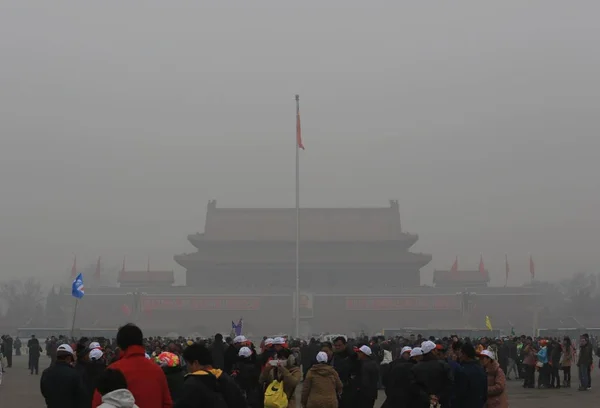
[[470, 381]]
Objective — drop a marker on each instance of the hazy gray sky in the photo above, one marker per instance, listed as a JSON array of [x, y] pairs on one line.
[[120, 120]]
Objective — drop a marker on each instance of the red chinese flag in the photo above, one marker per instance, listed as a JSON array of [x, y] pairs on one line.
[[531, 267], [298, 130], [454, 269]]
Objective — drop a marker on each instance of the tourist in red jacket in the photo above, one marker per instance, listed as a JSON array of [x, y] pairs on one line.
[[145, 380]]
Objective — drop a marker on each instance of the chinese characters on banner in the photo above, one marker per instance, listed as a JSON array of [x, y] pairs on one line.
[[448, 302], [150, 303]]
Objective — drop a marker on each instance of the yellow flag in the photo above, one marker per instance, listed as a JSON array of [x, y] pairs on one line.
[[488, 323]]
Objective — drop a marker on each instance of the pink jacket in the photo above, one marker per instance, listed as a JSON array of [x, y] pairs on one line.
[[496, 380]]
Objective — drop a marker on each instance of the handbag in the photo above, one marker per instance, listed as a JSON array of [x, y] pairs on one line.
[[274, 395]]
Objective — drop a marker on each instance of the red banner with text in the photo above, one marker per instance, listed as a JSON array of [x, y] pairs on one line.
[[448, 302], [150, 303]]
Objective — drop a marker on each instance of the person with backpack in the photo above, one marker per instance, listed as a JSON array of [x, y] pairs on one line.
[[280, 377], [205, 386]]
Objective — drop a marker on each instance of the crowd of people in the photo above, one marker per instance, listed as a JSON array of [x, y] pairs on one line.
[[413, 371]]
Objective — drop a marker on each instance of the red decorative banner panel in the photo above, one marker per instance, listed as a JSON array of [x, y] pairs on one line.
[[403, 303], [150, 303]]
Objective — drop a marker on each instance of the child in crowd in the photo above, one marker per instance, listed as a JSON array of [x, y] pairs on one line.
[[112, 385]]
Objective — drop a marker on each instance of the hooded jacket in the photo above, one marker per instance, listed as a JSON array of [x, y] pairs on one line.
[[210, 389], [118, 399], [321, 387], [145, 379], [496, 382]]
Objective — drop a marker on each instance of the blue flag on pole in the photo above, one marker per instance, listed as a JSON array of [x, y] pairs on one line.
[[77, 287], [237, 328]]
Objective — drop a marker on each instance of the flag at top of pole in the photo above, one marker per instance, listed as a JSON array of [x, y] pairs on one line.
[[298, 127], [77, 287]]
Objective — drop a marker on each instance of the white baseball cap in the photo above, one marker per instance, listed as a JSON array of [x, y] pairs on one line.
[[239, 339], [245, 352], [417, 351], [366, 350], [268, 341], [322, 357], [406, 349], [96, 354], [488, 353], [65, 348], [427, 346], [94, 345], [279, 341]]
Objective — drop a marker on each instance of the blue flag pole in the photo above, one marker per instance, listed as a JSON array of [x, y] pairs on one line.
[[74, 317], [78, 292]]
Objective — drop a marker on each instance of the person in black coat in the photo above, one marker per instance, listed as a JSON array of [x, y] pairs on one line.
[[399, 383], [434, 375], [345, 363], [366, 382], [218, 351], [34, 354], [17, 347], [470, 381], [8, 350], [61, 385], [205, 385], [246, 373]]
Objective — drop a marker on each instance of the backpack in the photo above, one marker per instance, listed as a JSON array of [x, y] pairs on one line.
[[274, 395], [222, 395]]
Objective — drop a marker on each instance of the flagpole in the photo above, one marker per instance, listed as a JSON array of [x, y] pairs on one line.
[[297, 308], [74, 316]]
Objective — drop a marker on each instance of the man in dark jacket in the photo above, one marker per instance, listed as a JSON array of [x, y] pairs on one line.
[[367, 381], [17, 347], [470, 381], [231, 353], [345, 363], [61, 385], [34, 354], [218, 351], [206, 386], [584, 362], [8, 349], [399, 382], [434, 375]]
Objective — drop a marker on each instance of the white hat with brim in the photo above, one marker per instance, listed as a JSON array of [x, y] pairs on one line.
[[64, 348], [427, 346], [96, 354], [239, 340], [417, 351], [406, 350], [488, 354], [366, 350], [322, 357]]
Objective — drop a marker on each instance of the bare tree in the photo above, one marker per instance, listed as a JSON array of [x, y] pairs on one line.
[[23, 299]]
